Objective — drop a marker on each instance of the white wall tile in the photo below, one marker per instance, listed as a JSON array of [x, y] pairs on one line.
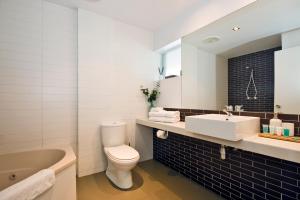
[[114, 60], [59, 75], [38, 75], [38, 79]]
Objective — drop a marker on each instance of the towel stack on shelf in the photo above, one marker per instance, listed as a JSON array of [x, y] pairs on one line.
[[160, 115]]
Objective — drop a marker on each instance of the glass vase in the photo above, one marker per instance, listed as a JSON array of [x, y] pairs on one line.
[[151, 105]]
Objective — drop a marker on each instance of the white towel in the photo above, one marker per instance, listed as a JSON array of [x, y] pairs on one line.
[[165, 114], [157, 109], [165, 119], [30, 187]]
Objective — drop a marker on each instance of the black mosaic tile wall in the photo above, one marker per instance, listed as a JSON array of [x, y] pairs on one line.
[[243, 175], [239, 71]]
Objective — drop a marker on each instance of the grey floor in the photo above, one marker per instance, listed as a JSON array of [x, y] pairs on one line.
[[152, 180]]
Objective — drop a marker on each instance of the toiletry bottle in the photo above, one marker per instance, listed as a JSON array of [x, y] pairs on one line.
[[275, 121], [290, 127]]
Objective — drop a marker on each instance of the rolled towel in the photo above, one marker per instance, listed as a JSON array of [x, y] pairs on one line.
[[165, 114], [30, 187], [165, 119], [157, 109]]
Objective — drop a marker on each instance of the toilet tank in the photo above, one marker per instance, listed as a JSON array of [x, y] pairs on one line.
[[113, 133]]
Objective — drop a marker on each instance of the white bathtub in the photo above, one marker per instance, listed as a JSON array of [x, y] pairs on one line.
[[15, 167]]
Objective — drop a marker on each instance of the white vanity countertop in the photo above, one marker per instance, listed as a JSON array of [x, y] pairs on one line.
[[270, 147]]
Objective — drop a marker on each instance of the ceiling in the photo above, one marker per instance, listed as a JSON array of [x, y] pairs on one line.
[[148, 14], [254, 46], [258, 20]]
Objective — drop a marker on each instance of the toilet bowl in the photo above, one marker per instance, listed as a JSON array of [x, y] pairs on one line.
[[121, 158]]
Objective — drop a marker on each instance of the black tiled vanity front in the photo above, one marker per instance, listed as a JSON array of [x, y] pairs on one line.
[[242, 175]]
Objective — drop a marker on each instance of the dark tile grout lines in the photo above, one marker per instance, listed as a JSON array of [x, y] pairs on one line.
[[242, 175], [239, 71]]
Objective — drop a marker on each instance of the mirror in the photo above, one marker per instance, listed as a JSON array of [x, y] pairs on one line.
[[250, 57]]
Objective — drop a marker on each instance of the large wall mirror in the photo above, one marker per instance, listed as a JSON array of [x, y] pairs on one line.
[[250, 58]]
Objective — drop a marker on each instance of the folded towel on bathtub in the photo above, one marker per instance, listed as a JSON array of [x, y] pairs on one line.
[[30, 187], [165, 114]]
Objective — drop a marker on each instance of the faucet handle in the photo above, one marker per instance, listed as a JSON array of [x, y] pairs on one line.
[[229, 108], [238, 108]]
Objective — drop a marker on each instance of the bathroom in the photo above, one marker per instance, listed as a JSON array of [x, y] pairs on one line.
[[149, 99]]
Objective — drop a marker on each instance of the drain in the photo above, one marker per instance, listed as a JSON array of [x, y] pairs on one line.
[[12, 177]]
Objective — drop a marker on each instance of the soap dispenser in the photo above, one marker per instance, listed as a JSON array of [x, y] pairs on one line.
[[275, 122]]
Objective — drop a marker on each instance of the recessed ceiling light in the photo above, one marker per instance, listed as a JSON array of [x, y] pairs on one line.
[[236, 28], [211, 39]]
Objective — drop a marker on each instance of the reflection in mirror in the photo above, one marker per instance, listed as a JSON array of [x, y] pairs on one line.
[[249, 58], [171, 62], [170, 81], [204, 79]]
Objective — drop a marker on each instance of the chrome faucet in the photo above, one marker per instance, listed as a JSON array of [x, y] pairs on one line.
[[227, 111]]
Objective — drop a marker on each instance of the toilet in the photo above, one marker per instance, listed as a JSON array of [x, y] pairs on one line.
[[121, 158]]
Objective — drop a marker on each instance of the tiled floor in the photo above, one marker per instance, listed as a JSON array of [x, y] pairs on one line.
[[152, 180]]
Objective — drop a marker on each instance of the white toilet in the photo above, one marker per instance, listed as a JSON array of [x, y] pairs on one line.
[[121, 158]]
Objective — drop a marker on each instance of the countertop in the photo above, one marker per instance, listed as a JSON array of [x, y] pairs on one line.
[[266, 146]]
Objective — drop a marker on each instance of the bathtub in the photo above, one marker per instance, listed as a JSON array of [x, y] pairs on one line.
[[15, 167]]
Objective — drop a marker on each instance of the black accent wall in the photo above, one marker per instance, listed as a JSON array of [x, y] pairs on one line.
[[243, 175], [239, 71]]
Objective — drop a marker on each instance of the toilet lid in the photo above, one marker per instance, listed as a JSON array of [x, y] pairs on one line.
[[122, 152]]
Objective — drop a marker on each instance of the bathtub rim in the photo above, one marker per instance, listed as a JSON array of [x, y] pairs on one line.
[[66, 161]]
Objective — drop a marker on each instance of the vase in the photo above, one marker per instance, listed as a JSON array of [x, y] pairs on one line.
[[161, 77], [151, 105]]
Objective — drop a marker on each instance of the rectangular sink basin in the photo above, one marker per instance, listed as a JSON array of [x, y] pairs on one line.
[[231, 128]]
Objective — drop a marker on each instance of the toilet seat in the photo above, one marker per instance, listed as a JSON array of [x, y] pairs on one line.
[[122, 153]]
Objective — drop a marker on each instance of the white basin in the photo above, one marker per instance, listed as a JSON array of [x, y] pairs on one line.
[[231, 128]]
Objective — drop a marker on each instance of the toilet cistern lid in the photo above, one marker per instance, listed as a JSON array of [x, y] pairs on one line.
[[122, 152]]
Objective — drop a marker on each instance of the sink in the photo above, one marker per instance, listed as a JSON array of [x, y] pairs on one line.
[[231, 128]]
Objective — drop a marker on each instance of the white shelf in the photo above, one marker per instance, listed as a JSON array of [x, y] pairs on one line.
[[269, 147]]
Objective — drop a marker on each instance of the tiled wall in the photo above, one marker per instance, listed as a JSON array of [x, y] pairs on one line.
[[59, 77], [264, 116], [114, 59], [239, 70], [38, 75], [242, 175]]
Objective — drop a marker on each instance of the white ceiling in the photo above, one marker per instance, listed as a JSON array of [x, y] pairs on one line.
[[260, 19], [148, 14], [254, 46]]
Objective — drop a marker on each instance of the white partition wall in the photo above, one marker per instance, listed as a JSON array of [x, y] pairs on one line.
[[114, 60], [287, 83], [204, 79], [170, 93], [290, 39], [38, 75], [189, 79]]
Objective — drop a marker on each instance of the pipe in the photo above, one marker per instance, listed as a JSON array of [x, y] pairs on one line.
[[223, 152]]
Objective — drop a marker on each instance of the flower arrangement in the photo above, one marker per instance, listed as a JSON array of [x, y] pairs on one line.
[[153, 95]]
